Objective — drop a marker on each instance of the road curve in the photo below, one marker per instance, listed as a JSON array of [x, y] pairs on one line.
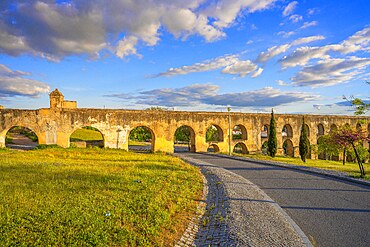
[[331, 212]]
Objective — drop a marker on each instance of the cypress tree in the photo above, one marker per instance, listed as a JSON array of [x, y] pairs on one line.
[[304, 143], [272, 141]]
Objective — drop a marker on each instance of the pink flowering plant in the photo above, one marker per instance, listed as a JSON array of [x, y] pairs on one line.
[[352, 138]]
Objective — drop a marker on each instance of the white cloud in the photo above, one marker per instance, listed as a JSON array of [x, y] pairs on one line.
[[325, 65], [290, 8], [87, 27], [226, 11], [196, 94], [306, 40], [312, 11], [265, 97], [295, 18], [180, 21], [359, 41], [330, 71], [241, 68], [272, 52], [13, 83], [230, 64], [286, 34], [276, 50], [303, 55], [5, 71], [257, 73], [309, 24], [207, 65], [209, 32], [282, 83], [126, 47]]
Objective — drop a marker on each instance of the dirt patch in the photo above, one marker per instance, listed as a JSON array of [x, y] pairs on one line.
[[21, 142]]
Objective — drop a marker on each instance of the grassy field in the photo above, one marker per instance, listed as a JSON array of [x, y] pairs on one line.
[[351, 169], [136, 143], [94, 197], [86, 135]]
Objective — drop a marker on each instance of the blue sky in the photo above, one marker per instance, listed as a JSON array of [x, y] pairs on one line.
[[253, 55]]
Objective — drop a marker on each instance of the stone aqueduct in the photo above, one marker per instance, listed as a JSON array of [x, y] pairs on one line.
[[54, 125]]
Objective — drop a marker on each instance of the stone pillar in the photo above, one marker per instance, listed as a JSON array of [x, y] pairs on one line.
[[280, 142], [296, 151], [161, 144], [116, 137], [2, 139], [63, 139], [200, 143], [224, 146]]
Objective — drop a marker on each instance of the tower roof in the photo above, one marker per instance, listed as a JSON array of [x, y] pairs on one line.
[[56, 92]]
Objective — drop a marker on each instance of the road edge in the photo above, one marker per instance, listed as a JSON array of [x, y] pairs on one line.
[[297, 229], [327, 173]]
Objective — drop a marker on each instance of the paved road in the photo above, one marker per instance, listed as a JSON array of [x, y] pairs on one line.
[[330, 212]]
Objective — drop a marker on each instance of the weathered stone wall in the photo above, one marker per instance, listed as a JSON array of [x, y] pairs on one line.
[[54, 126], [69, 104]]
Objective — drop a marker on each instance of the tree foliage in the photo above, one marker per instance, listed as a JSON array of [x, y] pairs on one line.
[[182, 134], [140, 134], [272, 140], [212, 134], [361, 107], [352, 138], [304, 143], [326, 146]]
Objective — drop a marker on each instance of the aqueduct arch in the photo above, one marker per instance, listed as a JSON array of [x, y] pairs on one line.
[[320, 130], [239, 132], [54, 125], [144, 138], [20, 137], [86, 136], [185, 135], [240, 147]]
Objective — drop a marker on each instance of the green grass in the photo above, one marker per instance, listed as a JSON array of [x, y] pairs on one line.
[[86, 135], [8, 139], [137, 143], [94, 197], [350, 168]]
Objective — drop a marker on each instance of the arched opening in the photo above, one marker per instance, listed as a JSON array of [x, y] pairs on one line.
[[358, 127], [239, 133], [288, 148], [141, 139], [213, 148], [320, 130], [184, 139], [333, 128], [240, 148], [22, 138], [214, 134], [347, 126], [265, 131], [287, 131], [87, 136], [264, 148]]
